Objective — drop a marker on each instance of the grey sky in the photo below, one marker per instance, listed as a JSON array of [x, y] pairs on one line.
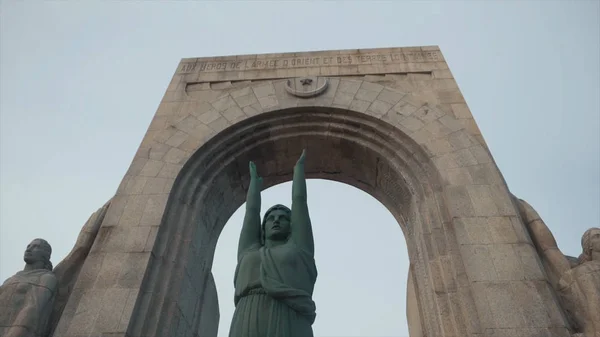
[[80, 82]]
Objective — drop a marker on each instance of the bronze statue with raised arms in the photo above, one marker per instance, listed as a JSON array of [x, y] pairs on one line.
[[276, 272]]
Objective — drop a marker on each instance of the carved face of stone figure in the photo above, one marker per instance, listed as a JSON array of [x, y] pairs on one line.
[[38, 250], [590, 242], [277, 223]]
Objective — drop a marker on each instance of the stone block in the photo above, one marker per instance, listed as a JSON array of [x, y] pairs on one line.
[[360, 106], [411, 123], [461, 111], [520, 231], [459, 176], [151, 168], [168, 108], [153, 210], [439, 146], [349, 87], [442, 73], [148, 247], [219, 124], [132, 213], [208, 116], [133, 269], [472, 231], [502, 200], [233, 113], [246, 100], [163, 135], [461, 140], [175, 156], [404, 108], [478, 263], [132, 296], [450, 96], [366, 95], [177, 139], [135, 185], [459, 201], [460, 323], [268, 102], [136, 166], [506, 262], [87, 312], [264, 90], [420, 136], [191, 144], [481, 198], [445, 162], [451, 123], [428, 114], [114, 212], [437, 129], [445, 314], [224, 103], [157, 151], [253, 110], [447, 273], [481, 154], [501, 230], [479, 295], [484, 174], [390, 96], [379, 108], [532, 267], [90, 270], [435, 272], [170, 170], [158, 123], [111, 309], [110, 270]]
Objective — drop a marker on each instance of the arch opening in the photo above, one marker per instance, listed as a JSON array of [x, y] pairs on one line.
[[178, 295], [361, 259]]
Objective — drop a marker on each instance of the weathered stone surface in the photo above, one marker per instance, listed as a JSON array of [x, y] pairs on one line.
[[33, 301], [578, 285], [398, 110]]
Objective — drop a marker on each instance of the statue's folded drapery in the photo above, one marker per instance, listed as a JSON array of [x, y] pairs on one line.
[[26, 301], [280, 304], [287, 285]]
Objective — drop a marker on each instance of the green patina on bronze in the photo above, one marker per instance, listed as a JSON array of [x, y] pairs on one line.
[[276, 273]]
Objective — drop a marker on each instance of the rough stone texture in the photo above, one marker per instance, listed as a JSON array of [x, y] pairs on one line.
[[392, 123], [577, 282]]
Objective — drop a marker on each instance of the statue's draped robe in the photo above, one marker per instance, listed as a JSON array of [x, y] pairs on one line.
[[579, 289], [273, 290], [26, 301]]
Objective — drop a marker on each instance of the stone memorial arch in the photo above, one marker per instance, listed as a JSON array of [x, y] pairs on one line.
[[391, 122]]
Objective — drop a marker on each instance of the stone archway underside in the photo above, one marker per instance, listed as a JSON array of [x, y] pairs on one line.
[[344, 146]]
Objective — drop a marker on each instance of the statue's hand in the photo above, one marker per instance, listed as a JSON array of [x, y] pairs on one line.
[[301, 159], [254, 174]]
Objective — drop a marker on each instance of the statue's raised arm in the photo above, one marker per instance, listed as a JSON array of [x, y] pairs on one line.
[[544, 240], [301, 227], [251, 229]]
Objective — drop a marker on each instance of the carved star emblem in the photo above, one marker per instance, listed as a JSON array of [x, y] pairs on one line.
[[306, 81]]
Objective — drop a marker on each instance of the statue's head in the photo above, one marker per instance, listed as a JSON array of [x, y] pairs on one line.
[[590, 243], [276, 224], [38, 251]]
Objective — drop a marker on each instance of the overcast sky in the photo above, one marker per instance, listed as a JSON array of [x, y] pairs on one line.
[[80, 82]]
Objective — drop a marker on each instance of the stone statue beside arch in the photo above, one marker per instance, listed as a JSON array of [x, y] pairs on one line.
[[32, 300], [575, 280]]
